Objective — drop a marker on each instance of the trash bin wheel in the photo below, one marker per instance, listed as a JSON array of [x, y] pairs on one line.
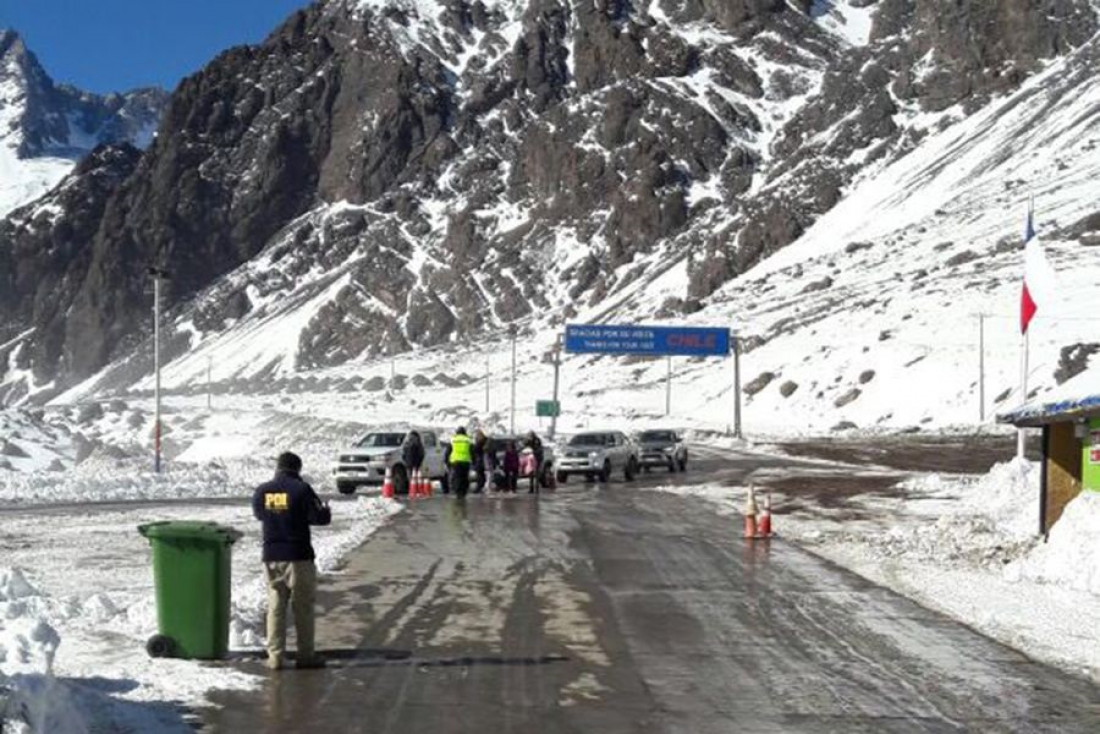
[[160, 646]]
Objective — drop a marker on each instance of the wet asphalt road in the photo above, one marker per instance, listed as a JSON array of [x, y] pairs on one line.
[[619, 610]]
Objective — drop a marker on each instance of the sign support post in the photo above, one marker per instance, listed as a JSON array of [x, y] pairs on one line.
[[737, 389], [668, 389], [557, 371]]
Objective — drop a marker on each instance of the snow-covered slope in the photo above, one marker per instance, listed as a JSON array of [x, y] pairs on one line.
[[814, 177], [870, 319]]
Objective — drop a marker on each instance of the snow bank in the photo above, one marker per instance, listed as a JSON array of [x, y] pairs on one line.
[[1071, 555], [1009, 495], [34, 701]]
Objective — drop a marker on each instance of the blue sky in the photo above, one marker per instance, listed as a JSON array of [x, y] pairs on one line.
[[115, 45]]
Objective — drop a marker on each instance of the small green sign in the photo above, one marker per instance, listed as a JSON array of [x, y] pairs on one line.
[[547, 408]]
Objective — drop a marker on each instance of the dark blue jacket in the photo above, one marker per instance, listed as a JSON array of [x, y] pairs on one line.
[[287, 506]]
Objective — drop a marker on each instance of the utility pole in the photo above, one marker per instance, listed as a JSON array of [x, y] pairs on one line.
[[557, 371], [737, 388], [158, 274], [981, 367], [512, 333], [668, 389]]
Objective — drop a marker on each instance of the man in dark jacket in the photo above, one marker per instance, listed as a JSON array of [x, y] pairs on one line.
[[481, 459], [287, 506], [412, 453]]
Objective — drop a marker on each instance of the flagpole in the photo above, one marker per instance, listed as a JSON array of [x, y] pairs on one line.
[[1021, 435]]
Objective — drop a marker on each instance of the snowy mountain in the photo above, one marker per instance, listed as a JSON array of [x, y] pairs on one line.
[[837, 180], [45, 128]]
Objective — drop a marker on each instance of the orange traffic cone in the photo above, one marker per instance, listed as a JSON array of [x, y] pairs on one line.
[[750, 513], [764, 527], [387, 484], [426, 485], [421, 488]]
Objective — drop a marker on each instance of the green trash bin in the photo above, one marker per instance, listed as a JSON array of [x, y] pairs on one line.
[[191, 572]]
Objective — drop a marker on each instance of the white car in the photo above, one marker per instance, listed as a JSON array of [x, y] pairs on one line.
[[364, 464], [597, 455]]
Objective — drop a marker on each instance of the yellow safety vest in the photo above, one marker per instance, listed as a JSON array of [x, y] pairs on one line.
[[460, 449]]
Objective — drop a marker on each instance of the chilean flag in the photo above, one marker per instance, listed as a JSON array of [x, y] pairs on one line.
[[1039, 284]]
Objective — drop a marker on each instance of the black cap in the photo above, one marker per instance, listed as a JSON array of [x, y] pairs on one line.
[[461, 431], [289, 462]]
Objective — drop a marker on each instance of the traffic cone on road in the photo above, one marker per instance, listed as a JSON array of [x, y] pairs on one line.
[[421, 484], [750, 513], [387, 484], [764, 527]]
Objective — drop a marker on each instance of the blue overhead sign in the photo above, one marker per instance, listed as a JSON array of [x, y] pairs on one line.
[[687, 341]]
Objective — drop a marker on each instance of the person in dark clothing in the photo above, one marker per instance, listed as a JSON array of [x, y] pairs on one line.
[[532, 442], [287, 507], [459, 459], [511, 467], [412, 453], [480, 456]]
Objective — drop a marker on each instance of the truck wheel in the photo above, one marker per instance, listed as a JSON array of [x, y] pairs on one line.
[[343, 488], [631, 469], [684, 464], [605, 474], [672, 467], [562, 477], [546, 477], [400, 480]]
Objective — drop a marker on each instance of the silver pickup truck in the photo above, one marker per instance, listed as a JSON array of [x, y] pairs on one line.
[[364, 464], [662, 448], [596, 455]]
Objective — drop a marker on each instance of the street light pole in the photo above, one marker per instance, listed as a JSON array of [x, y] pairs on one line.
[[512, 333], [158, 275], [981, 367]]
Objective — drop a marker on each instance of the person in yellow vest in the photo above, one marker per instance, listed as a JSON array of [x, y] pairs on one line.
[[460, 458]]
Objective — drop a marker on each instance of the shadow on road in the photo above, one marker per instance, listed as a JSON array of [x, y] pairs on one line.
[[372, 658]]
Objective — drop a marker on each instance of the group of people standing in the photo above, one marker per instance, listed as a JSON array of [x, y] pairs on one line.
[[491, 460]]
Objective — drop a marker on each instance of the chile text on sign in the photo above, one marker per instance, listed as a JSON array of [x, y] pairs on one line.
[[688, 341]]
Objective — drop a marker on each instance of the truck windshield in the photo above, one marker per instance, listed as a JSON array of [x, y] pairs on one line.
[[589, 439], [656, 436], [384, 440]]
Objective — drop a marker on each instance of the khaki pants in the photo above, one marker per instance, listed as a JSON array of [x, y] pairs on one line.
[[294, 582]]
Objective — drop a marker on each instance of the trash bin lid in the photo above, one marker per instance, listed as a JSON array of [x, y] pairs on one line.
[[190, 530]]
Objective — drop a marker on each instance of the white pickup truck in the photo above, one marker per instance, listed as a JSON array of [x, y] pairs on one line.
[[597, 454], [364, 464]]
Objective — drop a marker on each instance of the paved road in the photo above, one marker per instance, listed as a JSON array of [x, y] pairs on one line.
[[620, 610]]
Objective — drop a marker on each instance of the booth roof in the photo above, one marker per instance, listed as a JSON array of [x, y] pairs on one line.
[[1075, 398]]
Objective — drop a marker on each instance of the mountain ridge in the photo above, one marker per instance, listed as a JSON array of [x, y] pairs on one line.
[[379, 177]]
